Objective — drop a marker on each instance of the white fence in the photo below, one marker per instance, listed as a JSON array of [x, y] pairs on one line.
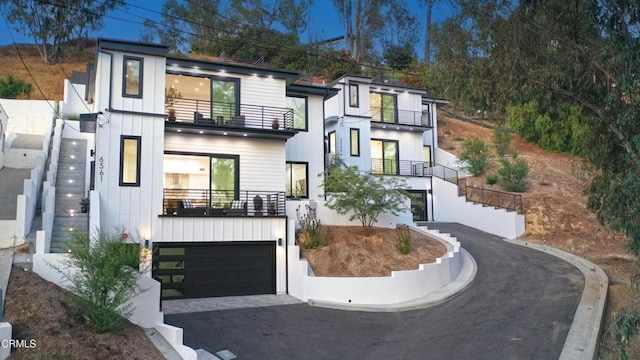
[[43, 237], [401, 286], [28, 200]]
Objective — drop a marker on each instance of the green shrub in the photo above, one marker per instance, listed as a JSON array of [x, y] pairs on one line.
[[501, 140], [13, 88], [513, 175], [492, 179], [404, 239], [311, 235], [475, 154], [104, 281]]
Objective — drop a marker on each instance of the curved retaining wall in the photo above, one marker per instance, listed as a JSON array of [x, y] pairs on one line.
[[401, 286]]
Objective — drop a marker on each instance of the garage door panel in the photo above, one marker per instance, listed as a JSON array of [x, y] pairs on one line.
[[222, 269]]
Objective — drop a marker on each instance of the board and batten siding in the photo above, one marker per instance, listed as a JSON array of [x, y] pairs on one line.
[[308, 146], [262, 162], [131, 207], [153, 84], [410, 143]]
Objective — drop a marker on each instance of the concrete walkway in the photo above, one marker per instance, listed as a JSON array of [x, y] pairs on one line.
[[521, 305], [27, 141], [11, 185]]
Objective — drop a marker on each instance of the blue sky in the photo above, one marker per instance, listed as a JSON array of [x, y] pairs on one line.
[[126, 24]]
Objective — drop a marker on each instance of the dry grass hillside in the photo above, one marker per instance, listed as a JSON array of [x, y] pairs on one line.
[[556, 213], [50, 78]]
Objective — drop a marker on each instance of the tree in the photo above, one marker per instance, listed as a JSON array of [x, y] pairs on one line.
[[364, 196], [371, 22], [52, 24]]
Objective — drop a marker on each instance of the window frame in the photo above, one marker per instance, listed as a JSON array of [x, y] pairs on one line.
[[383, 108], [306, 112], [138, 139], [357, 95], [332, 144], [355, 131], [290, 174], [236, 84], [125, 60], [397, 156]]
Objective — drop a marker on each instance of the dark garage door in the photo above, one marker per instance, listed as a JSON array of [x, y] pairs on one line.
[[195, 270]]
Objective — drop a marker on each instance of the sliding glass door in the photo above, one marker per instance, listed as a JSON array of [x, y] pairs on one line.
[[384, 156], [224, 99]]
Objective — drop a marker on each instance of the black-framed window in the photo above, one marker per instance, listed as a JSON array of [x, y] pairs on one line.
[[354, 98], [426, 154], [332, 142], [225, 97], [132, 76], [297, 182], [384, 156], [354, 136], [300, 111], [383, 107], [130, 160], [215, 174]]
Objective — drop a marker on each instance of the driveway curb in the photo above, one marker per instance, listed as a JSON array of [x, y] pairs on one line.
[[584, 335], [464, 279]]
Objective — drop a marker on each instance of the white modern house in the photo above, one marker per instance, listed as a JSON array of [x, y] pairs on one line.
[[386, 130], [207, 161]]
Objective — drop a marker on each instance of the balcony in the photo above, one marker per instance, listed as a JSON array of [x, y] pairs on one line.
[[401, 167], [222, 203], [214, 118], [399, 119]]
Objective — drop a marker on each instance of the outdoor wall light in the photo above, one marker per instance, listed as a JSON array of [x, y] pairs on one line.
[[279, 241]]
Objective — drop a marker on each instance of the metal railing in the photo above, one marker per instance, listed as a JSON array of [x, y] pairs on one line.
[[205, 202], [444, 173], [226, 114], [488, 197], [401, 167], [400, 117]]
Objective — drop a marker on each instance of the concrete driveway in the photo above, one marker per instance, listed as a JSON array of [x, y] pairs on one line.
[[520, 306]]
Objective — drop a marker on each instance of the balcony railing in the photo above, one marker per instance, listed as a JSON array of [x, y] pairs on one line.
[[205, 202], [487, 197], [401, 168], [220, 114], [400, 117]]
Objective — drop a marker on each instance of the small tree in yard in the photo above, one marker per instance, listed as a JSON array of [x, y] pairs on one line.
[[513, 175], [14, 88], [475, 154], [365, 195], [104, 280]]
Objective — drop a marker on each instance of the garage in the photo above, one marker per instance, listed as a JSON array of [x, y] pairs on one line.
[[197, 270]]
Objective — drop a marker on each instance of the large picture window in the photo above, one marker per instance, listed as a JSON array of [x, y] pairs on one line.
[[384, 156], [132, 77], [129, 160], [297, 181], [225, 98], [383, 107], [299, 106]]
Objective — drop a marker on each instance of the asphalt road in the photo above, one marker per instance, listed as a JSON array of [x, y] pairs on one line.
[[520, 306]]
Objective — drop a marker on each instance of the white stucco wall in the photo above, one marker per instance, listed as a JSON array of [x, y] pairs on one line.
[[145, 306], [29, 116], [449, 207], [401, 286]]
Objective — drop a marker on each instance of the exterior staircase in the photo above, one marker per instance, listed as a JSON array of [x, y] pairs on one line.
[[69, 191]]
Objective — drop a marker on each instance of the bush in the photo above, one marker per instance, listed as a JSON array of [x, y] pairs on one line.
[[404, 239], [311, 235], [475, 154], [13, 88], [104, 280], [501, 140], [492, 179], [513, 175]]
